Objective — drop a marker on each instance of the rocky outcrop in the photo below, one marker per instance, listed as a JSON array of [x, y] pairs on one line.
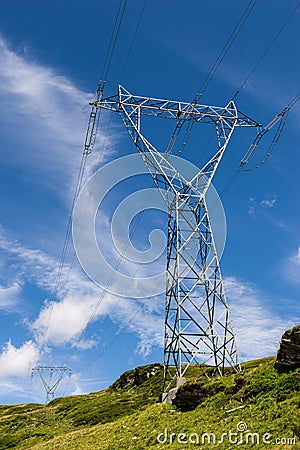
[[288, 356], [137, 376], [189, 396]]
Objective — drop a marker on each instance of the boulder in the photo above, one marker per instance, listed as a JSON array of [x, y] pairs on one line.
[[288, 356], [189, 396]]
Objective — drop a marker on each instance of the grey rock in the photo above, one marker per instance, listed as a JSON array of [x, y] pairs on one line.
[[288, 355]]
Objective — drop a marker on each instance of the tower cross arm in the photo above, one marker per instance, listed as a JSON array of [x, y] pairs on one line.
[[172, 109]]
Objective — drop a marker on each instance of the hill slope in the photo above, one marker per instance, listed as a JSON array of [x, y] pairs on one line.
[[258, 405]]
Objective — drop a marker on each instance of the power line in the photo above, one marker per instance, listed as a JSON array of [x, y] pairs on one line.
[[235, 32], [134, 38], [89, 143], [111, 279], [106, 289], [282, 117], [113, 39], [230, 40], [281, 120], [265, 52], [121, 257]]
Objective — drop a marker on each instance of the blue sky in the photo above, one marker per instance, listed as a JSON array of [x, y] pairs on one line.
[[51, 57]]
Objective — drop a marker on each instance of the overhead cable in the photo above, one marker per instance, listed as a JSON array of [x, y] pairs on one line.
[[89, 143], [281, 120], [232, 37], [265, 52]]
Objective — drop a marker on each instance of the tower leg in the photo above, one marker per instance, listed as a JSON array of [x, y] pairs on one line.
[[197, 322]]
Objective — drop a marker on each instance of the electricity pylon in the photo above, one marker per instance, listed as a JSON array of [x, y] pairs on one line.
[[197, 321], [51, 376]]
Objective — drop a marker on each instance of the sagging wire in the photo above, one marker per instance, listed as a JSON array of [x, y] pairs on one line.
[[279, 119], [230, 40], [89, 143]]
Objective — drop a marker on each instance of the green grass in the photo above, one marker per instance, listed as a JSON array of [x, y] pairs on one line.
[[130, 417]]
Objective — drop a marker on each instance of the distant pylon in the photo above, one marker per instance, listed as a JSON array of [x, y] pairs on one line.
[[197, 321], [51, 376]]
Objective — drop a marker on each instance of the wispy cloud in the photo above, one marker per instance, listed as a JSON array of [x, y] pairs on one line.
[[269, 203], [255, 206], [53, 107], [10, 296], [258, 327], [252, 206], [146, 318], [13, 389], [46, 115], [290, 267], [79, 299]]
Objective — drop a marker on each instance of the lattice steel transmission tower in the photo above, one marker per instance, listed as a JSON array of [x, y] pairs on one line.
[[51, 377], [197, 321]]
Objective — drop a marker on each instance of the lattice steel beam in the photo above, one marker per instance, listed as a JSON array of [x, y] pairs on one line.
[[171, 109]]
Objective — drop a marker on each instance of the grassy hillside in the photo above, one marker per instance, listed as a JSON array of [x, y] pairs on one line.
[[128, 416]]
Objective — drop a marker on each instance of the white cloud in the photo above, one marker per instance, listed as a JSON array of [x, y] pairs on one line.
[[258, 327], [63, 321], [9, 296], [18, 362]]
